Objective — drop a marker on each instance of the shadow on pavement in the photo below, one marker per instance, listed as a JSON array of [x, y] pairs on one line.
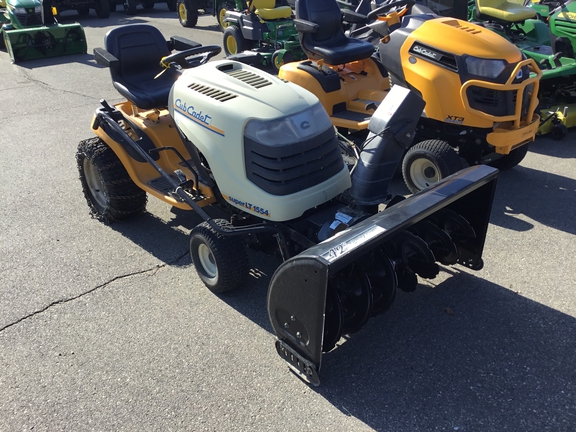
[[465, 355]]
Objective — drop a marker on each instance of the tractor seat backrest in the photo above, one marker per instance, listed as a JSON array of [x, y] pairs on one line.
[[329, 41], [505, 11], [139, 49], [267, 10]]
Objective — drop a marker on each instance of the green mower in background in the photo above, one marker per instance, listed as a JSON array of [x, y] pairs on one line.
[[29, 31]]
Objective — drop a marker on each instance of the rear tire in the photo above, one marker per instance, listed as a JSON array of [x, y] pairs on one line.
[[427, 163], [511, 159], [103, 9], [221, 13], [148, 4], [221, 261], [187, 16], [110, 192], [234, 42], [130, 7]]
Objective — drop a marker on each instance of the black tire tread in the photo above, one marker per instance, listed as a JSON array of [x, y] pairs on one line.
[[445, 157], [228, 251], [191, 14], [241, 43], [125, 199]]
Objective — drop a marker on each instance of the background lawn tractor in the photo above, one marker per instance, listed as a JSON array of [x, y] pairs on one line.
[[560, 15], [29, 31], [263, 34], [188, 10], [480, 98], [263, 153], [519, 24]]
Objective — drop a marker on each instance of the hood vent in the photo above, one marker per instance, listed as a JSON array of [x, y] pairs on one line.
[[250, 78], [212, 92]]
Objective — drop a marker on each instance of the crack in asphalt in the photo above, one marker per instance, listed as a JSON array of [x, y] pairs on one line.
[[152, 270]]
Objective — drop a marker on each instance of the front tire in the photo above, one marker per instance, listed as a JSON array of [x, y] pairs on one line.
[[187, 15], [234, 42], [221, 261], [427, 163], [110, 192], [512, 159]]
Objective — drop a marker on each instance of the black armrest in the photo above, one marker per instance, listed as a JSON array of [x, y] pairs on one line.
[[180, 43], [354, 17], [104, 58], [304, 26]]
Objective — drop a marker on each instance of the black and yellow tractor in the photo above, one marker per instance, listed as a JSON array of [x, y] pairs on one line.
[[480, 92]]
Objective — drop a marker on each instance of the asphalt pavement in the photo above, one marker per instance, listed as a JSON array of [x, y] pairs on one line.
[[109, 328]]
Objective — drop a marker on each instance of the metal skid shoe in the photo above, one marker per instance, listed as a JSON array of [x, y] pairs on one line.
[[334, 287]]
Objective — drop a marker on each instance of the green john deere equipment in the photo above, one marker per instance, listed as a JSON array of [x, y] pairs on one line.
[[263, 34], [560, 15], [265, 153], [29, 31]]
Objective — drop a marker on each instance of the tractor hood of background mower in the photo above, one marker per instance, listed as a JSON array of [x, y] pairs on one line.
[[461, 37]]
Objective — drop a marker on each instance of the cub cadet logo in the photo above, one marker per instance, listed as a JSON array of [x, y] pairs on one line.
[[198, 117], [418, 49], [454, 119], [304, 125]]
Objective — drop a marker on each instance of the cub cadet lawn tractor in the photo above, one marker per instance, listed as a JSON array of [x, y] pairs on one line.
[[264, 152], [520, 26], [480, 98], [29, 31], [267, 32]]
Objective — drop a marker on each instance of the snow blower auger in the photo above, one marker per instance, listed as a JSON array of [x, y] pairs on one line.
[[480, 92], [264, 152], [29, 31]]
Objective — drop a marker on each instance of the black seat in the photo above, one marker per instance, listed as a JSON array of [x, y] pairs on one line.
[[319, 25], [139, 49]]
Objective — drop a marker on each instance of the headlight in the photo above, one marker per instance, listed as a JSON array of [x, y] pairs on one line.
[[38, 9], [289, 130], [485, 67], [19, 10]]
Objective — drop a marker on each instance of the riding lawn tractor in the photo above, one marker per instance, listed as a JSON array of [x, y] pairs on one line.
[[264, 152], [480, 92]]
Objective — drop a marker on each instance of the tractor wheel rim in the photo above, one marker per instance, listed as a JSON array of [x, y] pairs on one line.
[[231, 45], [207, 261], [278, 63], [182, 12], [424, 173], [94, 183], [221, 17]]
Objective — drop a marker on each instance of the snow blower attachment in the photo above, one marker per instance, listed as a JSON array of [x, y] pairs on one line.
[[31, 32], [264, 152], [333, 288]]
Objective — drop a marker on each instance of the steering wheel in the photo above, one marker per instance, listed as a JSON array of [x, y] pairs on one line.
[[200, 55], [389, 5]]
